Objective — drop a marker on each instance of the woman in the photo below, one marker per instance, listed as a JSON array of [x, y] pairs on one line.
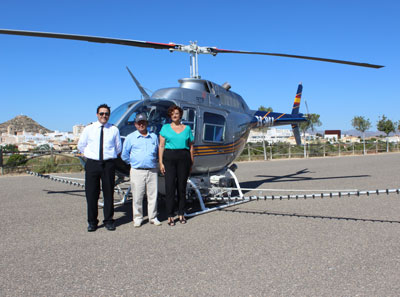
[[176, 159]]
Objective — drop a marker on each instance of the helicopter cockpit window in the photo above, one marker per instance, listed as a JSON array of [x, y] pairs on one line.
[[189, 118], [128, 126], [119, 111], [157, 117], [156, 113], [214, 125]]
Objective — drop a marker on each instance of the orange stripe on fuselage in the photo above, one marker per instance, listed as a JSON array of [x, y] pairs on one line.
[[280, 116], [218, 149], [266, 114]]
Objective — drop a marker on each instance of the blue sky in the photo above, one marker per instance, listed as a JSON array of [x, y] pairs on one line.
[[59, 83]]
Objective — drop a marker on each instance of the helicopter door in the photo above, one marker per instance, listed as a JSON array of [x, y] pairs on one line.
[[214, 150]]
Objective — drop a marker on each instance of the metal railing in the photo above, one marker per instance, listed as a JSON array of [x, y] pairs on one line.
[[263, 151], [39, 161]]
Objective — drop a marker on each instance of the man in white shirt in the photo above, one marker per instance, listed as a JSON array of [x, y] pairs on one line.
[[100, 143]]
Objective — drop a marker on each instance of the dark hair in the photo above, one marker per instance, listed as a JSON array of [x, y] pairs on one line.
[[104, 106], [172, 108]]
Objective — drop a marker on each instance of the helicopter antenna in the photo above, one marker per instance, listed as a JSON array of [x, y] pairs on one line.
[[140, 87]]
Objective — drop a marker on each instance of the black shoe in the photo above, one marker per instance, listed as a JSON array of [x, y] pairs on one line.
[[92, 228], [110, 226]]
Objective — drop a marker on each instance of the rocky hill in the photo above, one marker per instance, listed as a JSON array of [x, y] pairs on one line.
[[21, 123]]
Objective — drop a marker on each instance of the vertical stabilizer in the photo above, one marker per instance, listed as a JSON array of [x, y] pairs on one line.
[[295, 110], [297, 99]]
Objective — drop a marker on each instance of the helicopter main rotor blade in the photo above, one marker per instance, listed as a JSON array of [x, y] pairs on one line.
[[138, 43], [193, 48], [217, 51], [140, 87]]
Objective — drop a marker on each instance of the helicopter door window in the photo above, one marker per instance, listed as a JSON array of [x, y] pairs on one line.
[[189, 117], [214, 126]]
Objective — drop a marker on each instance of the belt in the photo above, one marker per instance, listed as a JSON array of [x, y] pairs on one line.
[[93, 160], [140, 168]]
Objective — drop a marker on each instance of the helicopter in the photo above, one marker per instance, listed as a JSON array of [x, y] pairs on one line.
[[219, 118]]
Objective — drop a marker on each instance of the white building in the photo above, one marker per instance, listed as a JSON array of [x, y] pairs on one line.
[[27, 140], [273, 135], [77, 129]]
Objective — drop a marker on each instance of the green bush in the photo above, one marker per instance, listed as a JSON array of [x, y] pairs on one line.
[[16, 160], [47, 166]]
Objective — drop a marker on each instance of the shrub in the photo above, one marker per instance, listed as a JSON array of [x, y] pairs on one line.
[[16, 160]]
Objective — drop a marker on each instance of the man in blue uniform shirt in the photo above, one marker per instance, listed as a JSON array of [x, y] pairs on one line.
[[140, 151], [100, 143]]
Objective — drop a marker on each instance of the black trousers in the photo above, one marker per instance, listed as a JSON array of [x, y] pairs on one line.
[[94, 172], [177, 166]]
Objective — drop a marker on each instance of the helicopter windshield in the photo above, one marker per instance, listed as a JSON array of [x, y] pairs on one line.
[[156, 112], [119, 112]]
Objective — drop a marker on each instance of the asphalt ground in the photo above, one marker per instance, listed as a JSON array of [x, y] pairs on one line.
[[346, 246]]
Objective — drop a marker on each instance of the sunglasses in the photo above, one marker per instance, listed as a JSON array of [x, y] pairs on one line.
[[104, 114], [141, 123]]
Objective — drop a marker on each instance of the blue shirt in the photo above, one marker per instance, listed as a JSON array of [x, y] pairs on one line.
[[140, 151], [176, 141]]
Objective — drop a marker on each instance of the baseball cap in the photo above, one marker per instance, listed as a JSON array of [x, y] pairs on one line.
[[140, 117]]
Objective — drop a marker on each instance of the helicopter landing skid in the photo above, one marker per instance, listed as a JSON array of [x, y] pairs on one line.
[[120, 192], [228, 203]]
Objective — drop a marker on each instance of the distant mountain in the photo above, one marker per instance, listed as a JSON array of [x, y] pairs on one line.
[[354, 132], [367, 133], [23, 123]]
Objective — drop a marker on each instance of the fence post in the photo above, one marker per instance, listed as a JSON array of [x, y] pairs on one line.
[[270, 150], [324, 149], [1, 160], [289, 151], [265, 152], [339, 148], [248, 150], [376, 146]]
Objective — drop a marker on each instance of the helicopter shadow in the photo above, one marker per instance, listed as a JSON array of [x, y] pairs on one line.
[[308, 216], [79, 193], [293, 177]]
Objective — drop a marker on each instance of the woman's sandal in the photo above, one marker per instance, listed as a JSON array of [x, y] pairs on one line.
[[182, 220], [171, 222]]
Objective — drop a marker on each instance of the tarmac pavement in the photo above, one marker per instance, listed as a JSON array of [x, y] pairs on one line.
[[348, 246]]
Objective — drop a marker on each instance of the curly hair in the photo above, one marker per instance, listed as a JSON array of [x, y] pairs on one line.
[[172, 108]]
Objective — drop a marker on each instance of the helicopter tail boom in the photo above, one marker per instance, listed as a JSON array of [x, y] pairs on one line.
[[269, 119]]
